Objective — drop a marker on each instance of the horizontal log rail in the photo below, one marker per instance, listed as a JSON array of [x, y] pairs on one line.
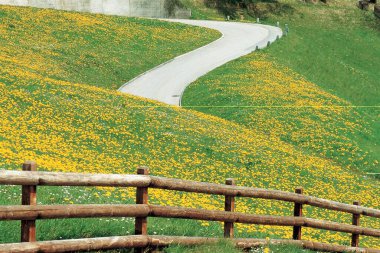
[[134, 241], [240, 191], [42, 212], [43, 178], [112, 180], [92, 211], [29, 212]]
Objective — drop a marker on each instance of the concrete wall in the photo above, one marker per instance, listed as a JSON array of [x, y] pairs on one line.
[[136, 8]]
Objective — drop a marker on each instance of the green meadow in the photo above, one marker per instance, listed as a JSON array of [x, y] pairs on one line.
[[59, 106]]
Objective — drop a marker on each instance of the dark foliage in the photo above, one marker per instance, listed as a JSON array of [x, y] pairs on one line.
[[171, 5], [254, 8]]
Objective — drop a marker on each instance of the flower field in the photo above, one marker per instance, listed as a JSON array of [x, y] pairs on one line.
[[58, 109], [292, 113], [104, 51], [274, 100]]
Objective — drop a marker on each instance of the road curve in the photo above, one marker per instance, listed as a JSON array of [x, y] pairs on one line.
[[167, 82]]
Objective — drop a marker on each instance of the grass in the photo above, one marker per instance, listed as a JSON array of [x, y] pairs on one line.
[[277, 102], [200, 11], [345, 64], [332, 46], [226, 247], [104, 51], [222, 247], [52, 112], [332, 52]]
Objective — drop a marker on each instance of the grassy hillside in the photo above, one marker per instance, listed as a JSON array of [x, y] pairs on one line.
[[225, 247], [332, 109], [337, 53], [52, 113], [277, 102], [199, 10], [104, 51]]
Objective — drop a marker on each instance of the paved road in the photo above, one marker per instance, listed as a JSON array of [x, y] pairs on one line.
[[167, 82]]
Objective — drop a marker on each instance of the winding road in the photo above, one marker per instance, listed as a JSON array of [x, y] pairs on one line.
[[167, 82]]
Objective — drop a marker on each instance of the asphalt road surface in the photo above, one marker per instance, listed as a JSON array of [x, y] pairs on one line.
[[167, 82]]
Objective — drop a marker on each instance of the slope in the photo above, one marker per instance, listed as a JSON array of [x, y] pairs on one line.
[[336, 56], [66, 125]]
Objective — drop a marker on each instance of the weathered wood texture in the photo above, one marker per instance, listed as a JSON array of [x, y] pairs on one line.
[[71, 179], [29, 211], [93, 244], [239, 191], [75, 179], [141, 211], [142, 199], [72, 211], [89, 244], [211, 215], [28, 197], [355, 222], [297, 213], [141, 223], [229, 206]]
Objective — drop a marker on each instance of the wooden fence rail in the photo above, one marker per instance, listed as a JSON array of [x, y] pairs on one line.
[[134, 241], [143, 210], [79, 179], [140, 241], [29, 212]]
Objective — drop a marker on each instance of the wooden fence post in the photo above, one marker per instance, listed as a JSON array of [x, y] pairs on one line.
[[229, 206], [297, 233], [141, 224], [355, 222], [29, 197]]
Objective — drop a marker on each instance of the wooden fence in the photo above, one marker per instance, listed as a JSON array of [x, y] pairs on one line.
[[29, 212]]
